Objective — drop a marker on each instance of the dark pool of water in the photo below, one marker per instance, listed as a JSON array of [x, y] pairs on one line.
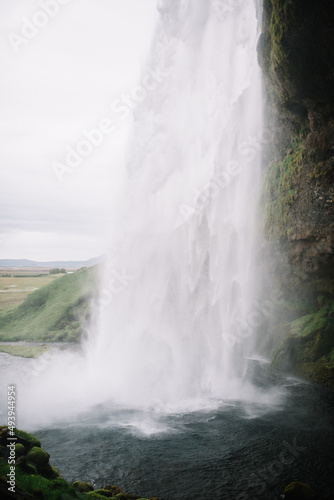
[[232, 452]]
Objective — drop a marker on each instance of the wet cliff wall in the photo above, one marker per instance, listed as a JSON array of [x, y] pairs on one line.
[[296, 53]]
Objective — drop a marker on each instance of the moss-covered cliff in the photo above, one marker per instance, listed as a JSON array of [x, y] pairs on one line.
[[296, 53]]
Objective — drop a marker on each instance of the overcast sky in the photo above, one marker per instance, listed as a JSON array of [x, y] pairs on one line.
[[62, 67]]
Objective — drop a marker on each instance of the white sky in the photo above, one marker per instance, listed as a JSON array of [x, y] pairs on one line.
[[63, 81]]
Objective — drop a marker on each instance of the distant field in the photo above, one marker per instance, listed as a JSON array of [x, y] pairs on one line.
[[13, 290], [23, 350], [57, 311]]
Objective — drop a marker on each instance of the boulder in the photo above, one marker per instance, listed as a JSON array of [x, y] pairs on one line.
[[299, 491]]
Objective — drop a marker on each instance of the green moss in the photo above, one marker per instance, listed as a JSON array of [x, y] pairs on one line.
[[32, 440], [82, 486], [278, 191], [308, 349], [19, 450], [96, 495], [318, 171], [38, 457], [323, 285], [321, 372], [38, 486], [56, 473], [104, 493], [45, 488], [276, 53]]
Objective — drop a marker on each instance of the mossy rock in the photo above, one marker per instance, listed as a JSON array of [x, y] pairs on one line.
[[19, 494], [82, 486], [115, 489], [97, 496], [19, 450], [116, 492], [320, 372], [57, 483], [286, 355], [56, 473], [32, 440], [299, 491], [38, 457], [104, 493], [279, 190], [25, 467]]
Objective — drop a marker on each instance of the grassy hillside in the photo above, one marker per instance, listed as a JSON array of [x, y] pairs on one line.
[[14, 289], [56, 312]]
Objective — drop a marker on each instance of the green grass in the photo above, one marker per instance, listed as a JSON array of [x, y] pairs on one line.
[[56, 312], [24, 351], [321, 320], [14, 289], [278, 190], [38, 486]]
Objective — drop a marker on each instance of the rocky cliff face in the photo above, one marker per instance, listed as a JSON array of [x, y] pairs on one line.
[[296, 53]]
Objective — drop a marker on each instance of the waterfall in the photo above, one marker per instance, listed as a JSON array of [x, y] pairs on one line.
[[177, 290]]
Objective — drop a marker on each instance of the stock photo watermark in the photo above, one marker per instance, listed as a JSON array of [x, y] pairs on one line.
[[223, 6], [260, 313], [222, 178], [269, 474], [30, 28], [121, 108], [11, 423], [116, 284]]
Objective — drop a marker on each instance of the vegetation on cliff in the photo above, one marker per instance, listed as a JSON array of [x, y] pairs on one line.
[[296, 53], [306, 346], [279, 190], [56, 312]]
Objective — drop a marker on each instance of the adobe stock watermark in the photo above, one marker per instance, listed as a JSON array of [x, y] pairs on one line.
[[270, 473], [118, 281], [121, 109], [260, 313], [249, 150], [11, 413], [26, 372], [221, 6], [30, 28]]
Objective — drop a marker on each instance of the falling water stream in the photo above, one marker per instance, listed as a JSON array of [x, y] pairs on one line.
[[188, 251], [167, 396]]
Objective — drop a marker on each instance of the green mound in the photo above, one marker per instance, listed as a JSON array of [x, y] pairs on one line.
[[56, 312]]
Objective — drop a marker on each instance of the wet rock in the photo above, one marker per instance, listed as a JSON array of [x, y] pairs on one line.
[[25, 466], [40, 460], [104, 493], [20, 450], [38, 457], [299, 491], [82, 487], [296, 53]]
